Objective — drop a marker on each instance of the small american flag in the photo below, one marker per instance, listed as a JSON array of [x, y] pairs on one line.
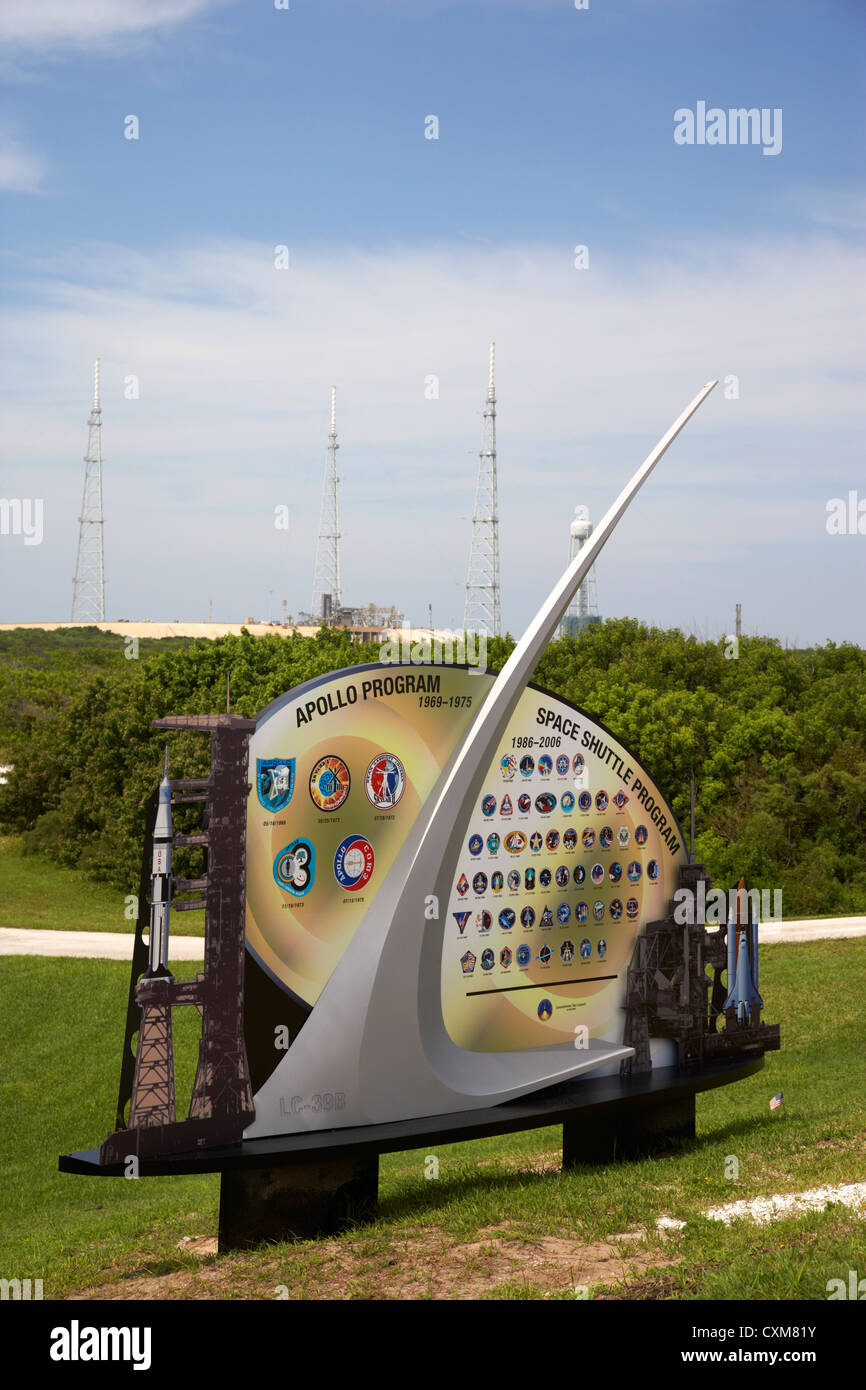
[[776, 1101]]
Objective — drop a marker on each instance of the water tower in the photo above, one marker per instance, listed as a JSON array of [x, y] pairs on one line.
[[583, 610]]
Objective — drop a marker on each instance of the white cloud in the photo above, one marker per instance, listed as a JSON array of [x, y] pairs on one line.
[[47, 24], [21, 171], [236, 359], [845, 210]]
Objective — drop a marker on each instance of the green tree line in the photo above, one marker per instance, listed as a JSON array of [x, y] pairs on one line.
[[776, 739]]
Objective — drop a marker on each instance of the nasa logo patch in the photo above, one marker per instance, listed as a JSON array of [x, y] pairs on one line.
[[275, 782], [295, 867], [329, 783], [385, 780], [353, 863]]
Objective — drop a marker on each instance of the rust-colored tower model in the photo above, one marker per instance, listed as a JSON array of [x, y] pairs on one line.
[[222, 1103]]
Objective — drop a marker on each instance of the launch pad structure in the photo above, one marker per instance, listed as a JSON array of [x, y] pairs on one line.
[[222, 1102]]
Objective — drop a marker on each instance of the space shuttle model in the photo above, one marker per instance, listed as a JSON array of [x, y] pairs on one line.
[[743, 1003]]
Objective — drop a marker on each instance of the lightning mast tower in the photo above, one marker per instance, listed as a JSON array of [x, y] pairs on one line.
[[583, 609], [88, 586], [481, 612], [327, 596]]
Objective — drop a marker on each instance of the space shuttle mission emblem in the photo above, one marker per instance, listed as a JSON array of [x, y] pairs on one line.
[[275, 782]]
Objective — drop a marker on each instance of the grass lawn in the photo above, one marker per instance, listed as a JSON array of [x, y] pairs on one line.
[[499, 1221], [36, 892]]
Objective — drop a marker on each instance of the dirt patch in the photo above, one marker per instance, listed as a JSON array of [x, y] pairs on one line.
[[538, 1163], [650, 1290], [855, 1142], [400, 1265], [199, 1245]]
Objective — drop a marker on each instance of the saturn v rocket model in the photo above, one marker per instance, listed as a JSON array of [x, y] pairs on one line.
[[160, 882]]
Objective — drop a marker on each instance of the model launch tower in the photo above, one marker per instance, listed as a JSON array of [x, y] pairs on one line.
[[222, 1103]]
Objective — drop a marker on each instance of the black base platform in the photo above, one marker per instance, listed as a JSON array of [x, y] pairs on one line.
[[303, 1185]]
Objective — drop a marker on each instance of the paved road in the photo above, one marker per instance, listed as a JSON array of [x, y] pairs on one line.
[[109, 945], [26, 941], [815, 929]]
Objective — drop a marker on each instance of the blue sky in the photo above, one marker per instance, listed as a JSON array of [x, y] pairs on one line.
[[262, 127]]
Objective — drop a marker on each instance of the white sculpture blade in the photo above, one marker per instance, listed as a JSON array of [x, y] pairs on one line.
[[376, 1037]]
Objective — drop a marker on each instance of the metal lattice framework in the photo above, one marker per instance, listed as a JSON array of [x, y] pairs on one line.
[[327, 595], [481, 612], [88, 586], [153, 1097]]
